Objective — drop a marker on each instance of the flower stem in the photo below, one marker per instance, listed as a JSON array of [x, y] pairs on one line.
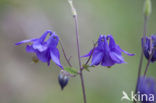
[[139, 70], [74, 13], [141, 57], [91, 53], [67, 60], [149, 61], [78, 49]]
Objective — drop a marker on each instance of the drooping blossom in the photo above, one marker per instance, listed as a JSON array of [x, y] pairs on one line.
[[147, 89], [148, 46], [44, 50], [107, 54]]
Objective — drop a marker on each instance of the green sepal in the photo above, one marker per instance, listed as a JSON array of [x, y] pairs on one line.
[[71, 70], [85, 67]]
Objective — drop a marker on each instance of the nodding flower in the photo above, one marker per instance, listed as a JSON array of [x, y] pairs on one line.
[[149, 46], [44, 50], [107, 54], [147, 86]]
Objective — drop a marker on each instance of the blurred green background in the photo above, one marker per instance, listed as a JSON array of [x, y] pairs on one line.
[[21, 81]]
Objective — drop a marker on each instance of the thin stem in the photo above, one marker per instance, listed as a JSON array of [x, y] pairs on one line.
[[83, 87], [91, 54], [77, 39], [145, 27], [67, 60], [149, 61], [78, 49], [141, 57], [139, 71]]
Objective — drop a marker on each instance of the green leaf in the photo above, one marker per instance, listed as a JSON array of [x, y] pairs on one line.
[[71, 70], [86, 67]]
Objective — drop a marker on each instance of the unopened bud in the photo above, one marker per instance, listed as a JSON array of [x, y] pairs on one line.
[[63, 79], [72, 8], [147, 8]]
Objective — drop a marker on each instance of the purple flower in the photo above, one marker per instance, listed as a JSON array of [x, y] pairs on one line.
[[44, 50], [147, 88], [107, 54], [150, 44]]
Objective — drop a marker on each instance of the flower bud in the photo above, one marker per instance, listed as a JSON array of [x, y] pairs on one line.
[[147, 8], [63, 79], [72, 7], [149, 47]]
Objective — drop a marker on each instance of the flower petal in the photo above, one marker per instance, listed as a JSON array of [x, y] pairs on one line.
[[146, 46], [154, 40], [97, 57], [102, 43], [129, 54], [107, 60], [43, 56], [29, 49], [55, 56], [112, 43], [39, 46], [42, 38], [26, 41], [53, 41], [114, 47], [116, 58]]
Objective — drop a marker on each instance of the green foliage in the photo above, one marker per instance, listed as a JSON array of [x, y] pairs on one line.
[[86, 67], [71, 70]]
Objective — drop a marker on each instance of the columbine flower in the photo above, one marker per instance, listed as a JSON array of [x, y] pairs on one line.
[[149, 46], [44, 50], [147, 87], [107, 54]]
